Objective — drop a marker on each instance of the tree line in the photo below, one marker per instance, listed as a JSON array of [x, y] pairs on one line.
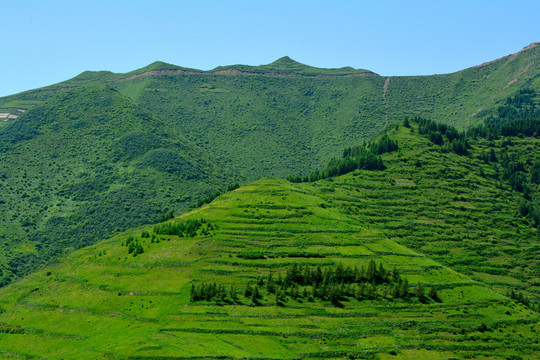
[[186, 228], [334, 284]]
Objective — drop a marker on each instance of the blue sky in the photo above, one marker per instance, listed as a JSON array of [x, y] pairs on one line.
[[45, 42]]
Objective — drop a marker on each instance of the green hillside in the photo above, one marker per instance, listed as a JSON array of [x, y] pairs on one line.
[[298, 113], [173, 136], [85, 164], [408, 262]]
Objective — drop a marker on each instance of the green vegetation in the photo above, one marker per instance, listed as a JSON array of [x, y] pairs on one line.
[[302, 270], [86, 164], [287, 66], [358, 157], [334, 284], [289, 118]]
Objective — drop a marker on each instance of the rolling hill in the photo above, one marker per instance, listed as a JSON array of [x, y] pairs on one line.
[[411, 261]]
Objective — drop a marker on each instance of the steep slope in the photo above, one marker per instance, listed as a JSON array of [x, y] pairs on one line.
[[85, 164], [229, 280], [265, 125], [298, 113], [466, 97]]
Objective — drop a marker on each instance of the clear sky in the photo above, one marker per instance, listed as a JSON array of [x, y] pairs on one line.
[[45, 42]]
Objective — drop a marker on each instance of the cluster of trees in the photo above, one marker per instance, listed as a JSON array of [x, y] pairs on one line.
[[441, 134], [213, 292], [11, 329], [510, 168], [334, 284], [365, 156], [529, 127], [186, 228], [523, 299], [134, 246], [518, 116]]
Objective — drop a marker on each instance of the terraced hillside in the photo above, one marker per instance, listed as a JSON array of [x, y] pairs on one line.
[[228, 280]]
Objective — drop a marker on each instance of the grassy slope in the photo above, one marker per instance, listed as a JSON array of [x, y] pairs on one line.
[[303, 115], [265, 125], [464, 97], [85, 164], [100, 300], [450, 207], [302, 120]]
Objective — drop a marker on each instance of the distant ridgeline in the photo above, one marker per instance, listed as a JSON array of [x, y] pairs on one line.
[[519, 116]]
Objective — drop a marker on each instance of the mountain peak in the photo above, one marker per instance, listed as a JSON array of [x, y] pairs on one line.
[[285, 60]]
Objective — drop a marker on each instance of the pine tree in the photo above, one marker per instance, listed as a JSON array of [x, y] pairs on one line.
[[233, 294], [420, 293], [432, 293], [248, 291]]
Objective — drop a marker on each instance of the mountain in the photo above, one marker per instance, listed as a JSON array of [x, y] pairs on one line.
[[361, 265], [85, 164], [298, 113]]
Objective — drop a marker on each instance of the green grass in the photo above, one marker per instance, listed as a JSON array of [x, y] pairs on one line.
[[104, 300], [267, 125], [86, 164]]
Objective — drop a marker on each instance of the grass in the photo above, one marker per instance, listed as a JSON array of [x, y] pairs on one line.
[[104, 300], [75, 167]]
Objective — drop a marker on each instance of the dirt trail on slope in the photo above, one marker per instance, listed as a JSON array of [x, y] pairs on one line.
[[234, 71], [385, 87]]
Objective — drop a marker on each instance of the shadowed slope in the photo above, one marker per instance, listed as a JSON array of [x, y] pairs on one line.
[[85, 164]]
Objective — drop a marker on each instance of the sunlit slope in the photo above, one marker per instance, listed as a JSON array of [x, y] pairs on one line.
[[454, 208], [103, 302], [466, 97], [286, 117]]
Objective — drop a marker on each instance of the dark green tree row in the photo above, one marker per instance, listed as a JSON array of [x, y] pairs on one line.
[[441, 134], [186, 228], [334, 284], [213, 292]]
